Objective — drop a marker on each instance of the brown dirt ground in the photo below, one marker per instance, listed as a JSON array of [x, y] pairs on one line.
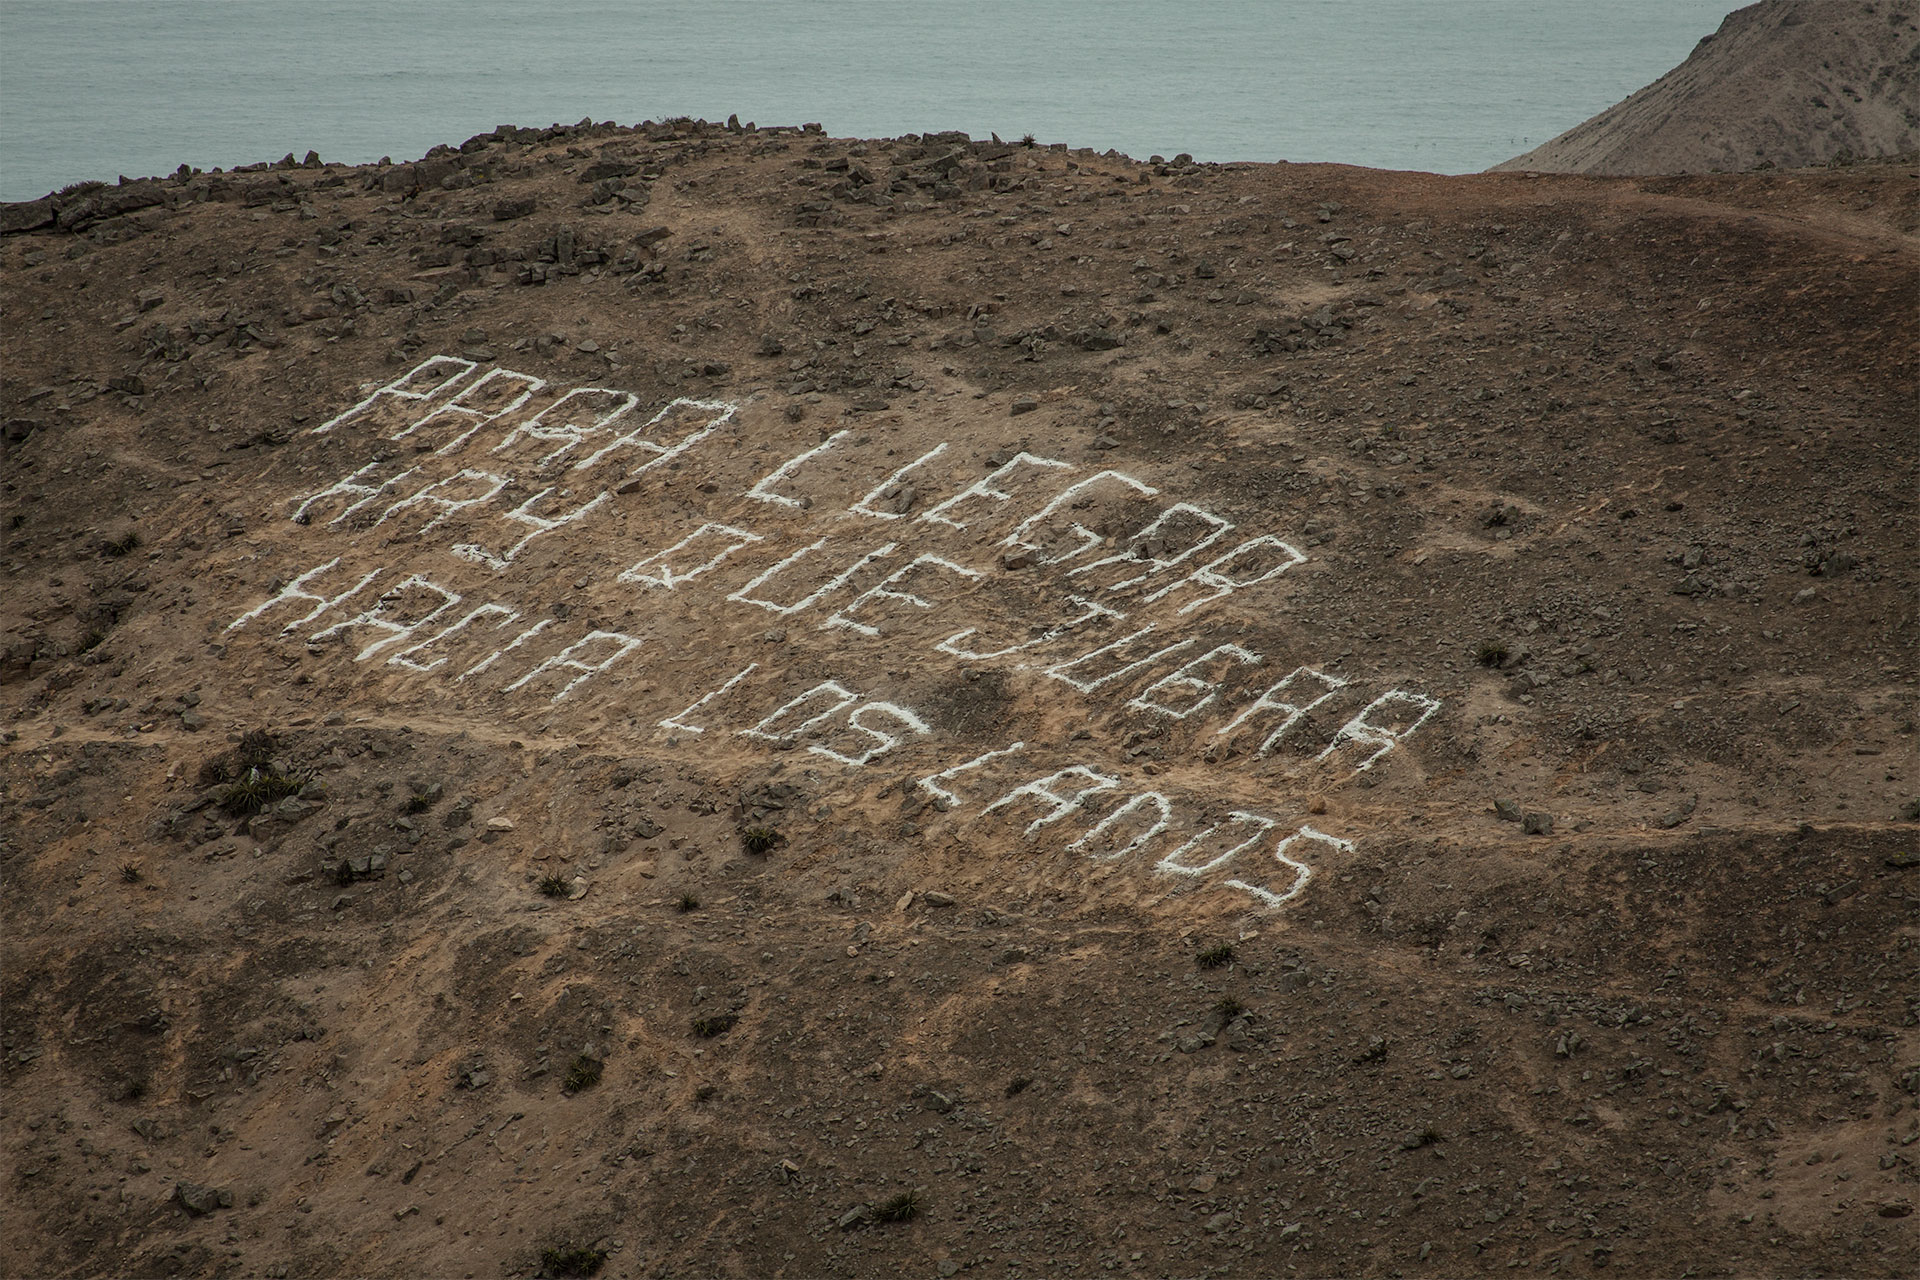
[[1620, 473]]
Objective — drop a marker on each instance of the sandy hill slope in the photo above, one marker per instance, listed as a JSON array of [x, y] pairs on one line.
[[1788, 83], [735, 702]]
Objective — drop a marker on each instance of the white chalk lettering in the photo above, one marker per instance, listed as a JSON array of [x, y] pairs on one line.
[[405, 657], [947, 799], [1176, 862], [1059, 671], [886, 741], [434, 374], [1183, 679], [1072, 495], [1292, 713], [984, 489], [744, 595], [498, 654], [497, 393], [484, 484], [567, 434], [1211, 575], [722, 413], [1383, 737], [566, 660], [349, 487], [1149, 545], [523, 514], [382, 618], [1301, 871], [297, 591], [894, 490], [657, 571], [676, 720], [885, 591], [1062, 803], [762, 493], [829, 690], [1088, 611], [1162, 818]]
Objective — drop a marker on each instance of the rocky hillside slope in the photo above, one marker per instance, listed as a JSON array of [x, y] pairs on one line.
[[1783, 83], [724, 701]]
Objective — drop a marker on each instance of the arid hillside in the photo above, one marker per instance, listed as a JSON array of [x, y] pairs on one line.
[[1782, 84], [701, 700]]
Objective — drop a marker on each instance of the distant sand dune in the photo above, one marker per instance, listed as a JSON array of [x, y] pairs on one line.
[[1786, 82]]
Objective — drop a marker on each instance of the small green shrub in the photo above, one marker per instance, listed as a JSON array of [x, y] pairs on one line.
[[759, 840], [1019, 1085], [584, 1073], [122, 545], [1215, 956], [1026, 140], [418, 802], [130, 873], [714, 1024], [904, 1207], [1228, 1008], [705, 1092], [259, 787], [571, 1260], [1491, 653], [343, 874], [688, 902], [553, 886]]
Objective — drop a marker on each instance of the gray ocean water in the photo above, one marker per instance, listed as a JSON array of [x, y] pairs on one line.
[[100, 88]]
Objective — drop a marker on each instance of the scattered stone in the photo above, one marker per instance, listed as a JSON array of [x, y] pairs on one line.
[[1537, 823], [508, 210], [200, 1201], [1024, 404], [1678, 815], [1507, 810]]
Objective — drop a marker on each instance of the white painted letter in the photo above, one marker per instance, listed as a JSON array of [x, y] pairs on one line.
[[675, 722], [297, 590], [1385, 737], [1184, 679], [887, 741], [1173, 862], [744, 596], [787, 468], [1063, 804], [890, 484], [884, 592], [1210, 575], [1269, 702], [624, 646], [655, 571], [984, 489], [403, 388], [1301, 871]]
